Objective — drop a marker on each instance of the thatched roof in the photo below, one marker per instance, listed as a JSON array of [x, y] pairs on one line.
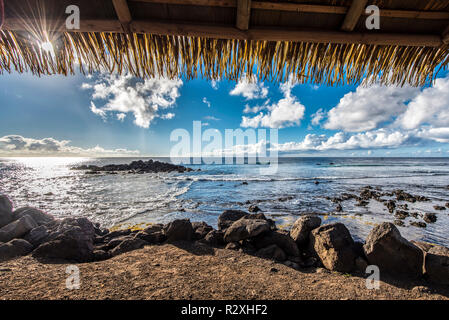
[[318, 41]]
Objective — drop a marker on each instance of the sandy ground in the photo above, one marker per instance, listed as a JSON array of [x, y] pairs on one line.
[[188, 271]]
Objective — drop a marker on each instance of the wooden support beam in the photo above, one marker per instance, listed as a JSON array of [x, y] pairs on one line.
[[445, 36], [295, 7], [305, 8], [264, 34], [354, 13], [243, 14], [19, 24], [207, 3], [123, 14], [226, 32], [406, 14]]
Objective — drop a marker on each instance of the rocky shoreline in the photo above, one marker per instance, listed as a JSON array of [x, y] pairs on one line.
[[308, 244], [139, 166], [391, 201]]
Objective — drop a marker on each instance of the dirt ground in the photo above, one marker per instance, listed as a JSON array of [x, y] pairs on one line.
[[188, 271]]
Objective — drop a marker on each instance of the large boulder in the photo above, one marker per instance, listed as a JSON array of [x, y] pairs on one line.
[[37, 235], [6, 216], [437, 265], [152, 237], [387, 249], [280, 238], [272, 252], [69, 239], [246, 228], [17, 229], [200, 230], [100, 255], [156, 227], [14, 248], [128, 245], [334, 246], [301, 229], [114, 235], [179, 230], [39, 216], [115, 242], [214, 238], [228, 217]]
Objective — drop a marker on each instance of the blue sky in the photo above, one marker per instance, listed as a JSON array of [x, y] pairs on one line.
[[102, 115]]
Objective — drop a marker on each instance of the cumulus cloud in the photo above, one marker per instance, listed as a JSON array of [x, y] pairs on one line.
[[146, 100], [436, 134], [98, 112], [377, 106], [317, 117], [287, 112], [257, 108], [430, 107], [249, 88], [16, 145], [369, 107], [342, 141]]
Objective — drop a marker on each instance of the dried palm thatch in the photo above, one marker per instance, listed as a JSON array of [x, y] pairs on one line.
[[144, 54]]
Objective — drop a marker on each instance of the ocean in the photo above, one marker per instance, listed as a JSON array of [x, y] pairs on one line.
[[127, 199]]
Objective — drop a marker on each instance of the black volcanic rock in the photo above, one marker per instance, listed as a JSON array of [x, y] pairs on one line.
[[139, 166]]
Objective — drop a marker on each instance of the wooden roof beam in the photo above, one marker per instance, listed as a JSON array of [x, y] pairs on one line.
[[445, 36], [123, 14], [354, 13], [226, 32], [305, 8], [243, 14], [272, 34]]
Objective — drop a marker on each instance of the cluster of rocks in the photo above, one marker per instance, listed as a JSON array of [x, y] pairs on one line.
[[134, 167], [307, 244], [400, 211]]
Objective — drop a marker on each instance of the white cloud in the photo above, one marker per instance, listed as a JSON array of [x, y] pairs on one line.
[[86, 86], [205, 101], [257, 108], [97, 111], [286, 112], [436, 134], [369, 107], [249, 88], [342, 141], [121, 116], [431, 107], [145, 100], [168, 116], [317, 117], [211, 118], [16, 145], [214, 84]]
